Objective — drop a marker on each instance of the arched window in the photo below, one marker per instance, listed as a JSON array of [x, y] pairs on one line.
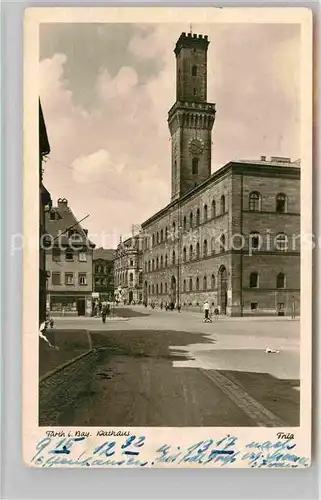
[[191, 252], [204, 283], [205, 248], [148, 289], [281, 201], [198, 217], [149, 265], [281, 242], [194, 70], [255, 240], [157, 263], [222, 243], [213, 209], [174, 229], [145, 267], [157, 237], [184, 286], [161, 288], [184, 254], [153, 265], [223, 208], [212, 281], [166, 260], [197, 283], [173, 258], [195, 166], [166, 233], [205, 213], [280, 281], [213, 245], [153, 289], [162, 235], [190, 284], [157, 289], [197, 250], [161, 262], [254, 280], [255, 202], [165, 287], [131, 277], [153, 239], [184, 223], [191, 219]]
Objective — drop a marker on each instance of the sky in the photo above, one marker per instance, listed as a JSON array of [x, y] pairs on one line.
[[106, 90]]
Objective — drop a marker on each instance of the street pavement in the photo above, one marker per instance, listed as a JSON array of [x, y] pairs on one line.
[[159, 368]]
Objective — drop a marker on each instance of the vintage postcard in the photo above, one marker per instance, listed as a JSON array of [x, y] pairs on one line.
[[167, 237]]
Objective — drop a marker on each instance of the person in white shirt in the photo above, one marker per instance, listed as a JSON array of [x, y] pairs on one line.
[[206, 309]]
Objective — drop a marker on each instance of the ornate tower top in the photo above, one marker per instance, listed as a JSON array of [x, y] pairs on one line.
[[191, 67], [191, 40]]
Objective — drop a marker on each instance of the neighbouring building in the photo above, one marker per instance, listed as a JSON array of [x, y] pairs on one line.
[[103, 273], [128, 276], [70, 262], [44, 201], [231, 237]]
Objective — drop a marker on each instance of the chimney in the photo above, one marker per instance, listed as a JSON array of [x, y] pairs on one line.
[[62, 203], [263, 158]]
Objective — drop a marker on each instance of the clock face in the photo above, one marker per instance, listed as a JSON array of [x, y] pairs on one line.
[[196, 146]]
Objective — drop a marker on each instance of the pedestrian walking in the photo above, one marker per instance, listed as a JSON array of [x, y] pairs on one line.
[[206, 309], [216, 313], [104, 311]]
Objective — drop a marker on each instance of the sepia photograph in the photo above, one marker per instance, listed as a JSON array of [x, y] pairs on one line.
[[171, 239]]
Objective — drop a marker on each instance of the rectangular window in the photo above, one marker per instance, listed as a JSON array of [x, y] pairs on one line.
[[56, 279], [254, 306], [56, 254], [69, 278], [82, 279], [82, 256], [69, 256]]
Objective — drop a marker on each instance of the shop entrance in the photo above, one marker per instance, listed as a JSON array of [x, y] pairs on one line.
[[81, 307]]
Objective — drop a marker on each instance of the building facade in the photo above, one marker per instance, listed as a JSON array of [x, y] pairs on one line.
[[233, 237], [128, 275], [44, 201], [69, 260], [103, 273]]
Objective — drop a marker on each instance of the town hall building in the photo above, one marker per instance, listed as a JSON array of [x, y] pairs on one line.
[[231, 237]]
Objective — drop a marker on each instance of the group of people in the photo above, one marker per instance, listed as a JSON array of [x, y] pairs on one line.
[[207, 312], [103, 309]]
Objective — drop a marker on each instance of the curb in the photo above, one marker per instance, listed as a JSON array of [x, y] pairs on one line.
[[70, 362]]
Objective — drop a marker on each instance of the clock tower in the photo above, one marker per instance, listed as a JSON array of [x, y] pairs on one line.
[[191, 119]]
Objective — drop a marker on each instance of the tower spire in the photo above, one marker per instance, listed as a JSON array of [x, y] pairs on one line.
[[191, 29]]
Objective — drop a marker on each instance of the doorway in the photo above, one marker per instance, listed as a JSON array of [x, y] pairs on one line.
[[222, 289], [173, 290], [81, 307]]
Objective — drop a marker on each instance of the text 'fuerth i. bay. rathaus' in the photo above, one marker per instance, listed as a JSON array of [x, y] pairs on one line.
[[231, 237]]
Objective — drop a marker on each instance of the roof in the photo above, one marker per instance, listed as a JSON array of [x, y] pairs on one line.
[[104, 254], [65, 220]]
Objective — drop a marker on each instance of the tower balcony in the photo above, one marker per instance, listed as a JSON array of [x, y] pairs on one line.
[[192, 106]]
